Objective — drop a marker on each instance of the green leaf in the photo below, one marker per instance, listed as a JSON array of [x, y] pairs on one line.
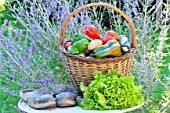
[[82, 87], [101, 98], [97, 74], [103, 84]]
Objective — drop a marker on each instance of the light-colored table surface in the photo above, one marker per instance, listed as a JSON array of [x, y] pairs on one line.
[[76, 109]]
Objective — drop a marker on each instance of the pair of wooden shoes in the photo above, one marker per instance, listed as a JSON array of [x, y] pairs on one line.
[[41, 99], [38, 99]]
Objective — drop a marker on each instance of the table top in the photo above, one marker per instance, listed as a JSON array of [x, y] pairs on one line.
[[76, 109]]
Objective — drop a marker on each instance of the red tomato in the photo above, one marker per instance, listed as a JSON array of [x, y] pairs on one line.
[[68, 44], [109, 35], [91, 31]]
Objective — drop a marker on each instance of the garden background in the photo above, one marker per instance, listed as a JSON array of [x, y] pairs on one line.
[[29, 58]]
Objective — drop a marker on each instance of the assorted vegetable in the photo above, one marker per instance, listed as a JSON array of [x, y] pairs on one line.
[[68, 44], [78, 46], [111, 48], [124, 42], [91, 31], [80, 36], [111, 91], [89, 43], [109, 35], [94, 43]]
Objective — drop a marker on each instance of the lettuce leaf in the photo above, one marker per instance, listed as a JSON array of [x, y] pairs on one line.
[[111, 91]]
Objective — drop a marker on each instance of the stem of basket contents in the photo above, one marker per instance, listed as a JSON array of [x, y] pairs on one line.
[[134, 42]]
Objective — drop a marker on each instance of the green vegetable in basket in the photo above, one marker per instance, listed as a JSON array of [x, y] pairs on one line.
[[80, 36], [111, 91], [78, 47], [111, 48]]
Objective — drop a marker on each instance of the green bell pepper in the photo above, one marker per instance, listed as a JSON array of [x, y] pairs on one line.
[[80, 36], [79, 46], [111, 48]]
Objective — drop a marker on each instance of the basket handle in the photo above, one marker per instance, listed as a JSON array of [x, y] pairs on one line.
[[134, 42]]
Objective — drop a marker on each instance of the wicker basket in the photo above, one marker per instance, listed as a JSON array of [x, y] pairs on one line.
[[80, 69]]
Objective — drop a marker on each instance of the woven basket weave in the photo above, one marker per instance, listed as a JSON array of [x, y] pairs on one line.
[[81, 69]]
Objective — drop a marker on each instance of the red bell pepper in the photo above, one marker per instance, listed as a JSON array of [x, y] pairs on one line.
[[68, 44], [91, 31], [109, 35]]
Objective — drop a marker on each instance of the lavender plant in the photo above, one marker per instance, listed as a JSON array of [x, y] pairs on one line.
[[30, 54], [30, 58]]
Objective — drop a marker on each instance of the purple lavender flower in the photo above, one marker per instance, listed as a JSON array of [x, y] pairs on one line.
[[81, 3], [40, 81], [7, 81], [144, 31], [8, 74], [154, 83], [165, 77], [149, 2], [60, 13], [16, 32], [26, 1], [135, 3], [53, 5], [20, 61], [33, 47], [3, 26], [7, 91], [29, 50], [3, 51], [22, 82], [46, 79], [57, 53], [50, 81], [135, 11], [34, 29], [31, 40]]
